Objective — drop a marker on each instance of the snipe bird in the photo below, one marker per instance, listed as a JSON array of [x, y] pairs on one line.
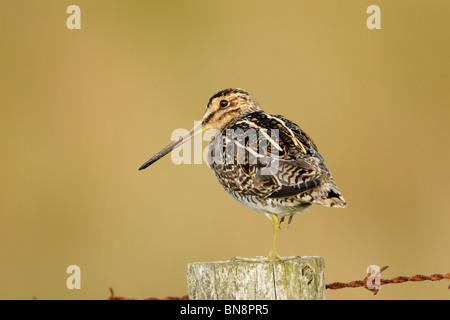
[[295, 175]]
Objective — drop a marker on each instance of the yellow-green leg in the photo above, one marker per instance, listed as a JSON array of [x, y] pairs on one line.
[[273, 256]]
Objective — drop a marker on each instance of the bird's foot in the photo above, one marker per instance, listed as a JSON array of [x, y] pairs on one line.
[[264, 259], [257, 259], [289, 258]]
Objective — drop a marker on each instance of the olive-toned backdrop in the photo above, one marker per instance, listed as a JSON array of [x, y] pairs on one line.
[[81, 110]]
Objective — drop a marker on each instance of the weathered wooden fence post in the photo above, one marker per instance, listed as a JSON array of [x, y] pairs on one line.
[[296, 279]]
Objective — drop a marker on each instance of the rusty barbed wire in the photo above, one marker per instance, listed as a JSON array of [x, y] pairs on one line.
[[113, 297], [400, 279], [334, 285]]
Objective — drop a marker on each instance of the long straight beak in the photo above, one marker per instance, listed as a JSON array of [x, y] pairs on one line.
[[187, 137]]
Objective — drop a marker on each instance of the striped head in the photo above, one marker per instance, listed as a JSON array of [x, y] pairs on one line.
[[227, 105]]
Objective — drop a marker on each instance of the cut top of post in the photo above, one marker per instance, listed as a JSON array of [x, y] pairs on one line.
[[302, 278]]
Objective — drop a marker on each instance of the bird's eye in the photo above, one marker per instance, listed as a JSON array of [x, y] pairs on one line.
[[223, 103]]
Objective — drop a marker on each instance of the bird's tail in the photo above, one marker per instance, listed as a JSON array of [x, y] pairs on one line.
[[330, 196]]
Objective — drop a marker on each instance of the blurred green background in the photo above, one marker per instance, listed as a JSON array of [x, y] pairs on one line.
[[81, 110]]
